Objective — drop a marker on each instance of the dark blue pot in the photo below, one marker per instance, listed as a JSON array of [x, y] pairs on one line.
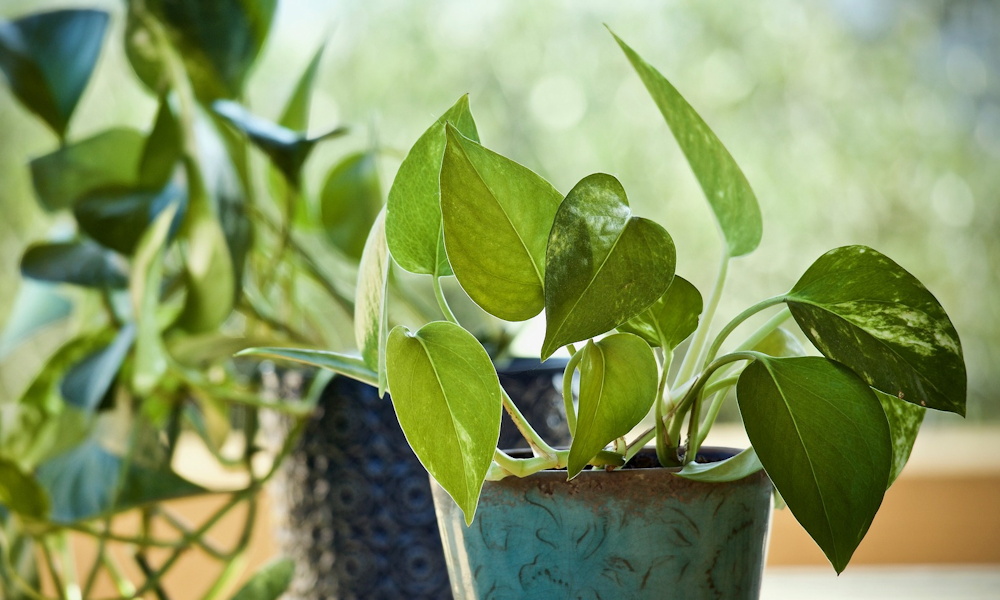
[[356, 505]]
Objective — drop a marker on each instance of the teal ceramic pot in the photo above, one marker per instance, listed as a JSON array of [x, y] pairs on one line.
[[630, 534]]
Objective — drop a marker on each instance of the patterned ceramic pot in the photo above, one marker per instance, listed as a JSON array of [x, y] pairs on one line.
[[354, 504], [631, 534]]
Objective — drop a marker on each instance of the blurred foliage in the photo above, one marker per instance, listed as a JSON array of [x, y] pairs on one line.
[[873, 123]]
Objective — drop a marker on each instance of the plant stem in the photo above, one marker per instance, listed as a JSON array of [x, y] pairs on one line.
[[54, 571], [765, 330], [663, 441], [737, 321], [442, 301], [539, 446], [124, 586], [696, 396], [693, 356]]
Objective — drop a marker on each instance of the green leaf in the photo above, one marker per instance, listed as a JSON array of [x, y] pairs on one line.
[[671, 319], [150, 353], [287, 149], [725, 185], [904, 425], [37, 305], [107, 160], [603, 266], [48, 58], [87, 382], [86, 482], [618, 377], [118, 219], [497, 217], [163, 148], [413, 218], [824, 441], [345, 364], [371, 309], [269, 582], [81, 263], [21, 493], [350, 201], [732, 469], [296, 113], [860, 308], [448, 401], [218, 42], [211, 278]]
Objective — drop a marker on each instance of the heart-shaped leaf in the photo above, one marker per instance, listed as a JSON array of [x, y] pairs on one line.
[[671, 319], [497, 218], [732, 469], [618, 377], [780, 342], [118, 219], [81, 263], [350, 201], [107, 160], [860, 308], [603, 266], [413, 219], [823, 439], [448, 400], [295, 116], [725, 185], [88, 381], [218, 42], [163, 148], [48, 58], [905, 419], [287, 149], [371, 310]]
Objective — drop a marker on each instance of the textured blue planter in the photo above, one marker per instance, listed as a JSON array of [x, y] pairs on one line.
[[631, 534]]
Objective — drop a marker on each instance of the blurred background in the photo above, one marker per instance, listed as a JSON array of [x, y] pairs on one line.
[[856, 122]]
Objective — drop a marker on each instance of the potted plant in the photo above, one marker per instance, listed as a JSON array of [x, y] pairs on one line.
[[830, 431]]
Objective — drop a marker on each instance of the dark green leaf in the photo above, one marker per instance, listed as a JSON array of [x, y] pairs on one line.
[[286, 148], [824, 441], [269, 582], [497, 217], [860, 308], [448, 400], [732, 469], [36, 306], [86, 482], [217, 40], [413, 219], [603, 266], [671, 319], [48, 58], [371, 309], [163, 148], [20, 493], [350, 201], [80, 263], [904, 425], [345, 364], [88, 381], [107, 160], [725, 186], [118, 219], [618, 378]]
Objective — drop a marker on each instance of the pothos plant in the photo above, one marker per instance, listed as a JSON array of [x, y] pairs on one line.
[[186, 241], [832, 430]]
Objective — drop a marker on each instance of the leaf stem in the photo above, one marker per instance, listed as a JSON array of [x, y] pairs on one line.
[[663, 441], [539, 446], [693, 356], [567, 391], [696, 394], [738, 320], [442, 301]]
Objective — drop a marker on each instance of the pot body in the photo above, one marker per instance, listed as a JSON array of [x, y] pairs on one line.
[[630, 534], [353, 503]]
